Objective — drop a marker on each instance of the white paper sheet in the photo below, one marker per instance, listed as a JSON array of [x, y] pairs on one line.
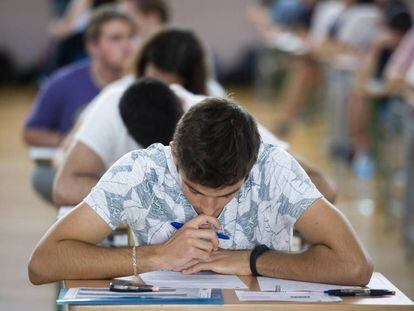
[[270, 284], [293, 297], [197, 280]]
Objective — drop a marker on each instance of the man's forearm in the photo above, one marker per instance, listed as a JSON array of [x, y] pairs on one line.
[[71, 259], [42, 138], [317, 264], [74, 190]]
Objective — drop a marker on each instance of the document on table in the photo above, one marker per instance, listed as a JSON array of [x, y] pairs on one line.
[[280, 296], [197, 280], [103, 296], [96, 293], [281, 285]]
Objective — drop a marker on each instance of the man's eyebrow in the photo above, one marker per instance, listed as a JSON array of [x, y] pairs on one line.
[[233, 192], [221, 196], [192, 188]]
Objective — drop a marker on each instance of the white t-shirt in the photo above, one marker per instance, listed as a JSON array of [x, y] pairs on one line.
[[360, 26], [326, 13], [103, 130], [142, 189]]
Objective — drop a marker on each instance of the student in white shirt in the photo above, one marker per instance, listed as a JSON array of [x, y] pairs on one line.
[[172, 56]]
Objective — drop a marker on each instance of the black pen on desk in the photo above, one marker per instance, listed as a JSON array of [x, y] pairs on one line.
[[129, 287], [359, 292]]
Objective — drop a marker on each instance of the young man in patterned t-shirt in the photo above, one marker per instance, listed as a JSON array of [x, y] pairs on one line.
[[216, 174]]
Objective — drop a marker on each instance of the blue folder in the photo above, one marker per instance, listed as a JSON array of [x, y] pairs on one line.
[[215, 299]]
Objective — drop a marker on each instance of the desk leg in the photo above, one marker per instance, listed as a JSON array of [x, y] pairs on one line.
[[338, 84], [408, 221], [58, 286]]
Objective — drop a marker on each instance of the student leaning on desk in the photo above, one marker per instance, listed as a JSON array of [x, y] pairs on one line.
[[215, 173]]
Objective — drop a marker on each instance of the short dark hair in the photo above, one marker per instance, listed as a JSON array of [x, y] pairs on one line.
[[150, 111], [399, 21], [103, 15], [216, 143], [159, 7], [176, 51]]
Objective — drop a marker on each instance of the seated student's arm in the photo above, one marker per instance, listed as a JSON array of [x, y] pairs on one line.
[[322, 183], [69, 251], [66, 25], [335, 256], [259, 16], [42, 137], [41, 127], [64, 147], [80, 172]]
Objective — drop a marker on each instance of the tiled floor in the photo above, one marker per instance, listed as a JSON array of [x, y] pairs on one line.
[[24, 217]]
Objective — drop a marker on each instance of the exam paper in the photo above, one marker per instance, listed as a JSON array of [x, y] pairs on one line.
[[293, 297], [281, 285], [197, 280]]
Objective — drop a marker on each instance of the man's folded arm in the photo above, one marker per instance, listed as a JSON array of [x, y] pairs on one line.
[[69, 251], [335, 256]]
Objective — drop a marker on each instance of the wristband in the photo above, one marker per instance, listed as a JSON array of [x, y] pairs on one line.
[[256, 252]]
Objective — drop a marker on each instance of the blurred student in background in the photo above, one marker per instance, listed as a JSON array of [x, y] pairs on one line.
[[327, 29], [150, 16], [396, 22], [109, 41], [399, 65], [175, 57], [172, 56], [67, 31], [341, 33], [303, 76], [272, 18]]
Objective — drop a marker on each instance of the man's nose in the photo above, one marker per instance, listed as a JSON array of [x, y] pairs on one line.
[[209, 205]]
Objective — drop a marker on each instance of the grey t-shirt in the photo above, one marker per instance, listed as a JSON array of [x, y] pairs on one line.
[[142, 189]]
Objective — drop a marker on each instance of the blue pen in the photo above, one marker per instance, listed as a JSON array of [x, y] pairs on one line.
[[177, 225]]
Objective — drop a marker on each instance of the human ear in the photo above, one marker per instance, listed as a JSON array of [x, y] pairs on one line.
[[174, 155]]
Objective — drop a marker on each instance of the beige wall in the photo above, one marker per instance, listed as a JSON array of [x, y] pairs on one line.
[[23, 26], [221, 23]]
